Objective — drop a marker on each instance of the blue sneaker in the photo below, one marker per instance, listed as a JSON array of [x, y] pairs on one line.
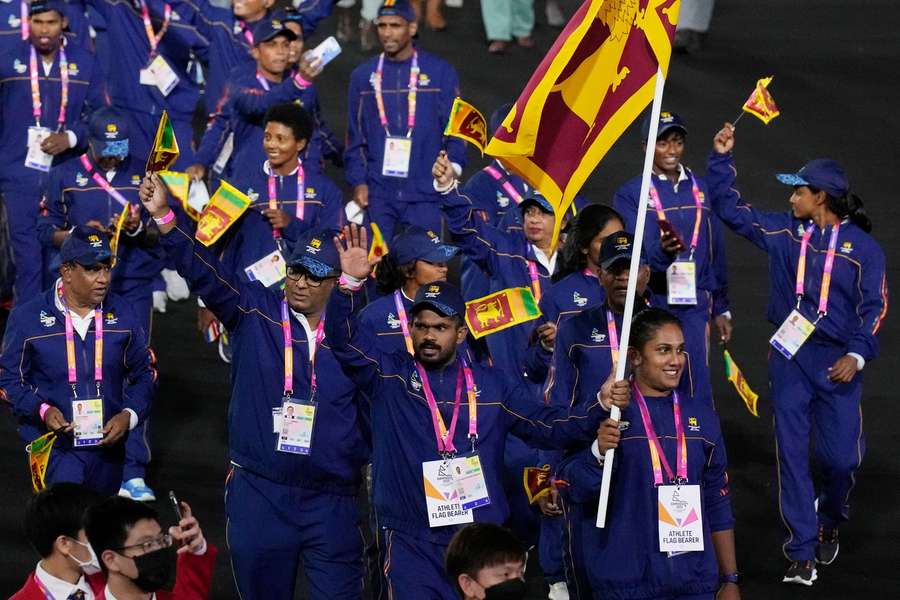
[[136, 489]]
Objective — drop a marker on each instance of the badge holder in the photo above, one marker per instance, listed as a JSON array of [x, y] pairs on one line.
[[36, 158], [269, 270], [470, 482], [792, 334], [397, 151], [158, 73], [298, 418], [681, 280], [680, 518], [87, 420]]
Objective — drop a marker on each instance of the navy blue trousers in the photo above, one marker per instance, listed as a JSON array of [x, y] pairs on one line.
[[414, 568]]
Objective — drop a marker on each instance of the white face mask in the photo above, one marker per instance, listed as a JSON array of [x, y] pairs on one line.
[[90, 566]]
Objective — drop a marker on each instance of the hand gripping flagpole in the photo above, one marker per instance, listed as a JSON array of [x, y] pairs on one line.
[[614, 412]]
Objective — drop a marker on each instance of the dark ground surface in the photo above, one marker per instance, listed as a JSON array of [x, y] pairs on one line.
[[835, 66]]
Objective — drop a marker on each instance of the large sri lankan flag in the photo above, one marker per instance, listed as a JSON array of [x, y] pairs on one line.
[[224, 208], [593, 83], [501, 310]]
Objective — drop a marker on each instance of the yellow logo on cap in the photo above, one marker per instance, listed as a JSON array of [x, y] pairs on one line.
[[315, 242], [111, 128], [622, 240], [93, 238], [276, 24], [434, 289]]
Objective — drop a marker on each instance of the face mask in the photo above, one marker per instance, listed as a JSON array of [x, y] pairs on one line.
[[156, 570], [90, 566], [511, 589]]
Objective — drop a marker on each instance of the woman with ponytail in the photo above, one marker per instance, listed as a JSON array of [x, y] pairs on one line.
[[827, 300]]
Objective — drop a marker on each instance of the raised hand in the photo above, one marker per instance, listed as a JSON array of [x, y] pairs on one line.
[[354, 252], [724, 140], [442, 170]]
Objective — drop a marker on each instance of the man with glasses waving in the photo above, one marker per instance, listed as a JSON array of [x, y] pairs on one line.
[[75, 362], [296, 447], [140, 560]]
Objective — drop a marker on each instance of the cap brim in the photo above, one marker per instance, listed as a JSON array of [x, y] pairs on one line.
[[544, 206], [440, 253], [316, 267], [661, 131], [290, 35], [438, 307], [791, 179], [606, 264]]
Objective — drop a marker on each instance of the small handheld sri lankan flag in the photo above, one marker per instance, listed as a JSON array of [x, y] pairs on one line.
[[38, 459], [501, 310], [467, 123], [734, 375], [379, 247], [224, 208], [537, 482], [761, 104], [117, 232], [164, 151], [179, 185]]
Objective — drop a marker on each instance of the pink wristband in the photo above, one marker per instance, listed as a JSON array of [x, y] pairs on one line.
[[166, 218], [353, 287], [44, 408], [301, 82]]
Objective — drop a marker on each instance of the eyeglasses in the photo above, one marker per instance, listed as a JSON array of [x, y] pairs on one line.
[[158, 543], [297, 273]]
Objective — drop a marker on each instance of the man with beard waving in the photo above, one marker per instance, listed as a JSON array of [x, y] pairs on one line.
[[417, 404]]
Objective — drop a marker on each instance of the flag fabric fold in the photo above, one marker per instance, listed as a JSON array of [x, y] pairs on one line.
[[594, 82], [38, 458], [537, 482], [501, 310], [164, 151], [736, 377], [224, 208], [761, 104], [379, 247], [467, 123]]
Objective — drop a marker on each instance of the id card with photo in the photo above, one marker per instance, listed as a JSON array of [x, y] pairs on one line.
[[442, 496], [87, 419], [397, 151], [795, 330], [269, 270], [298, 417], [470, 482], [36, 158], [680, 518], [160, 74], [681, 280]]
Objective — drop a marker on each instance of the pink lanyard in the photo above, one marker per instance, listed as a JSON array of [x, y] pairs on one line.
[[829, 266], [263, 81], [411, 96], [443, 435], [300, 208], [656, 451], [613, 337], [289, 352], [505, 183], [23, 15], [70, 345], [698, 202], [404, 324], [535, 279], [36, 90], [155, 38], [103, 183], [243, 29]]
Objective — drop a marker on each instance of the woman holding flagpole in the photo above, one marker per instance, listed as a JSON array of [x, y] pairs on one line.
[[828, 299], [669, 532]]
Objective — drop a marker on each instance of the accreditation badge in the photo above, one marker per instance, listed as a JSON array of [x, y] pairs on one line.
[[680, 519], [681, 280], [36, 158], [297, 420], [470, 482], [224, 154], [160, 74], [792, 334], [397, 151], [269, 270], [442, 496], [87, 419]]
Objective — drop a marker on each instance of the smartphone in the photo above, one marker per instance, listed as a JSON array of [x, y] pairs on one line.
[[175, 506], [668, 229], [327, 51]]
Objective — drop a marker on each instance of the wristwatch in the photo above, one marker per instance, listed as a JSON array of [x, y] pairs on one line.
[[736, 578]]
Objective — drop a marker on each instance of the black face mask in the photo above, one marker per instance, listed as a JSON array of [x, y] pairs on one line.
[[511, 589], [156, 570]]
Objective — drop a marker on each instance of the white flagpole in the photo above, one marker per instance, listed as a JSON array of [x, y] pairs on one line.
[[615, 413]]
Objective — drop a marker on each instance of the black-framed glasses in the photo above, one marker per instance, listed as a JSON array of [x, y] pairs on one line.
[[164, 540], [297, 273]]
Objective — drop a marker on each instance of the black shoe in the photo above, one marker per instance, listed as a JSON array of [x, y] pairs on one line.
[[802, 572], [828, 546]]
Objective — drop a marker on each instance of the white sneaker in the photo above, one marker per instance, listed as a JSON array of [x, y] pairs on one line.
[[555, 16], [159, 301], [559, 591], [176, 287]]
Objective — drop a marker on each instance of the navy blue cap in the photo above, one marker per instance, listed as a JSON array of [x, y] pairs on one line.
[[269, 28], [86, 246], [42, 6], [615, 247], [441, 297], [823, 174], [535, 198], [667, 122], [108, 133], [397, 8], [316, 253], [418, 244]]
